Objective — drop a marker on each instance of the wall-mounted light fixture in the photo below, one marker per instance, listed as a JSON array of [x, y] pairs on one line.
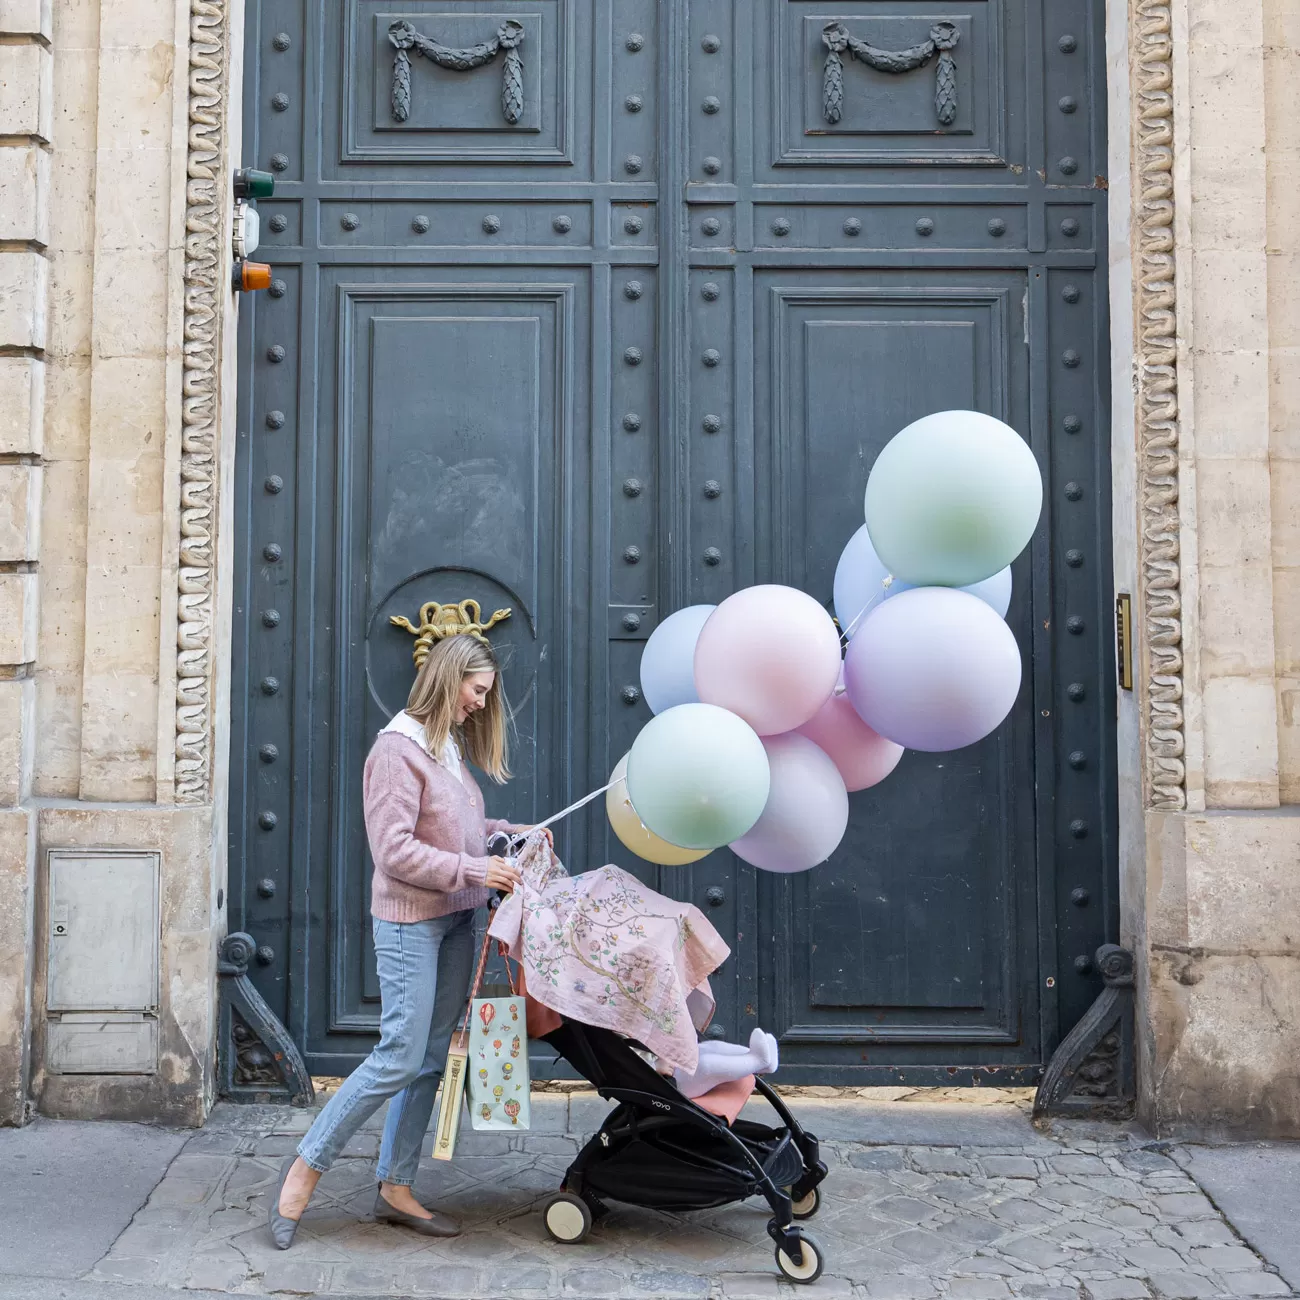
[[247, 228]]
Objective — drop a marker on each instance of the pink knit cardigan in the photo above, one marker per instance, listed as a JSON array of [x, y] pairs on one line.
[[428, 835]]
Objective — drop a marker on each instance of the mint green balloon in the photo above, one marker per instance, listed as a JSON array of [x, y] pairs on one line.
[[952, 499], [698, 776]]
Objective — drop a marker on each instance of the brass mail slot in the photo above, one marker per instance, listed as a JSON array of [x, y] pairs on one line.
[[1124, 639]]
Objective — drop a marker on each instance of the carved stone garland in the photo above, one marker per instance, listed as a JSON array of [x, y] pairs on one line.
[[943, 37], [205, 270], [406, 39], [1157, 405]]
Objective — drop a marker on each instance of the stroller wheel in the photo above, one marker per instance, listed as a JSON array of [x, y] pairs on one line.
[[806, 1206], [808, 1268], [568, 1218]]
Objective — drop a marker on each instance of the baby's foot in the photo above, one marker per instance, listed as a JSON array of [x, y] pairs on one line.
[[773, 1054], [763, 1047]]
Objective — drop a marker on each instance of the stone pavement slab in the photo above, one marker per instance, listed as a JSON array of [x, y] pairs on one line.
[[68, 1189], [947, 1201], [923, 1200], [1257, 1187]]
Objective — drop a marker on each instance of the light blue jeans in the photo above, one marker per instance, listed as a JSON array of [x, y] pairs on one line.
[[424, 973]]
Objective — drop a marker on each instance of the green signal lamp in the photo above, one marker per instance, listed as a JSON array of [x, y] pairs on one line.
[[252, 184]]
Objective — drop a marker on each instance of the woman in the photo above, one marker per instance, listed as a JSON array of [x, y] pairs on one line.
[[428, 838]]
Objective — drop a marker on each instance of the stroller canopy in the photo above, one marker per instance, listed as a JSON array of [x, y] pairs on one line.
[[604, 949]]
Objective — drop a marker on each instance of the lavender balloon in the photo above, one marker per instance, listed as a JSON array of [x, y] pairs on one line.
[[862, 582], [933, 669], [807, 809]]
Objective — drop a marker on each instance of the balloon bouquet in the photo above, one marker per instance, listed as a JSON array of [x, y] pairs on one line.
[[761, 730]]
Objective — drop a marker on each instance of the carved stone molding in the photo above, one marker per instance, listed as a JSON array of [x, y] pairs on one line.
[[205, 290], [1157, 403]]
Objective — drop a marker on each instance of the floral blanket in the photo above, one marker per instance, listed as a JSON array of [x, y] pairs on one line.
[[604, 949]]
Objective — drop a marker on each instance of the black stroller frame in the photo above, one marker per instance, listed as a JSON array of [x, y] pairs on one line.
[[633, 1157], [782, 1165]]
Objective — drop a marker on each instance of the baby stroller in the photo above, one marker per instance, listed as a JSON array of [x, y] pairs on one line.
[[658, 1149]]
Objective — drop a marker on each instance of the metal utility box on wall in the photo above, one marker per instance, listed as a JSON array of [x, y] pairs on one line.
[[102, 984]]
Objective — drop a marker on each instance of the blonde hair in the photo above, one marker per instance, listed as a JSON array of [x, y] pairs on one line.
[[434, 698]]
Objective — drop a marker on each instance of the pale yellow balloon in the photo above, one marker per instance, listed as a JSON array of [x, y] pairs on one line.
[[627, 826]]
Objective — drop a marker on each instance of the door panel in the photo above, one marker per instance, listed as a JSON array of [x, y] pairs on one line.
[[920, 929], [890, 118], [454, 116], [458, 404]]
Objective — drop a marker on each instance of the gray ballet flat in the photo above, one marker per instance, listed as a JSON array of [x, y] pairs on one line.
[[282, 1229], [439, 1226]]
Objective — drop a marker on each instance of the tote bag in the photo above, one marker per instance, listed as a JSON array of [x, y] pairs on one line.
[[497, 1065], [504, 1067]]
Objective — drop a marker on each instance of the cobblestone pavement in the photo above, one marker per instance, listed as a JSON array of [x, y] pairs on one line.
[[982, 1208]]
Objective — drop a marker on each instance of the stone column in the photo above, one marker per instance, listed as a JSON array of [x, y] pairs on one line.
[[1282, 251], [100, 104], [1219, 924], [25, 129]]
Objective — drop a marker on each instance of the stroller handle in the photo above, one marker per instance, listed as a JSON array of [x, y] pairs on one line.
[[502, 845]]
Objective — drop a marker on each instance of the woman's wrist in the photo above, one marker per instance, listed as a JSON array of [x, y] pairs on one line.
[[476, 869]]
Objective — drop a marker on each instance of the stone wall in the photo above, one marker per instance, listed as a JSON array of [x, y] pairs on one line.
[[94, 119], [1218, 904], [26, 126]]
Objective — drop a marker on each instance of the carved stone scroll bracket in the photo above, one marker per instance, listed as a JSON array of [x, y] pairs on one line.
[[257, 1061], [943, 38], [1092, 1073], [406, 40]]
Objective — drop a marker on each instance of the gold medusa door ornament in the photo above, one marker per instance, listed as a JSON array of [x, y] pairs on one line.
[[440, 621]]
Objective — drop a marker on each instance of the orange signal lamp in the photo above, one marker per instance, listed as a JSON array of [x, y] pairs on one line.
[[252, 275]]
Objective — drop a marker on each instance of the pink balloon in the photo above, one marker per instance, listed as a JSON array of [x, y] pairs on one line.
[[807, 810], [769, 654], [864, 757]]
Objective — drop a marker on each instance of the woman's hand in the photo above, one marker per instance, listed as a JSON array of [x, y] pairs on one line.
[[501, 875]]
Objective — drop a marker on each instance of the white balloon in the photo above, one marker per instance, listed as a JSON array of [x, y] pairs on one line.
[[862, 583], [933, 669], [668, 660]]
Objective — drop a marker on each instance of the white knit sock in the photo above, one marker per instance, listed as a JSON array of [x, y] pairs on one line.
[[721, 1063], [723, 1049]]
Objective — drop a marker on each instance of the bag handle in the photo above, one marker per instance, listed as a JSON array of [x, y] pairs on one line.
[[478, 979], [476, 984]]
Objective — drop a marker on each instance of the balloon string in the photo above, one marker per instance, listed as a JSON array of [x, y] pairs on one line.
[[573, 807], [885, 585], [604, 789]]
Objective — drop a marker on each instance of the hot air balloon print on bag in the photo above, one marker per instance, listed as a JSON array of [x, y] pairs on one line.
[[499, 1045]]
